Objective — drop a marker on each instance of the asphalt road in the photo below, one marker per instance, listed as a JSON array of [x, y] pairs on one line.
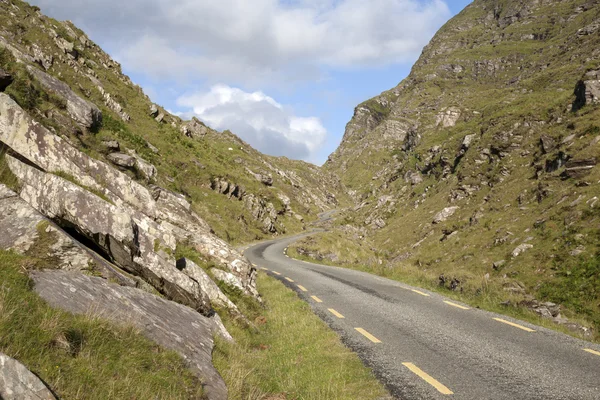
[[424, 346]]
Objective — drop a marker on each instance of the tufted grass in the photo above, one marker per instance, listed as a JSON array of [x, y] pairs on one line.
[[82, 357], [291, 354]]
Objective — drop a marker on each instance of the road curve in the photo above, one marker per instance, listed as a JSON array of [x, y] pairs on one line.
[[424, 346]]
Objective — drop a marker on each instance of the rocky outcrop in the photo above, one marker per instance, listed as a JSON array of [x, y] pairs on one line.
[[17, 382], [113, 104], [133, 242], [448, 117], [171, 325], [194, 129], [24, 229], [579, 168], [444, 214], [82, 111], [216, 296], [587, 90], [5, 80]]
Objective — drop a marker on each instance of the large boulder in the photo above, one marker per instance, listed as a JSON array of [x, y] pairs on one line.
[[5, 80], [121, 160], [23, 228], [133, 242], [82, 111], [194, 129], [17, 382], [171, 325]]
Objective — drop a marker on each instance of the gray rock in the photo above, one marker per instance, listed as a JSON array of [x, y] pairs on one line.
[[227, 278], [414, 178], [51, 153], [23, 228], [152, 148], [122, 160], [133, 242], [170, 325], [521, 249], [42, 59], [5, 80], [82, 111], [160, 117], [579, 168], [498, 264], [143, 167], [66, 46], [448, 117], [194, 129], [111, 145], [17, 382], [153, 110], [548, 143], [216, 296], [444, 214]]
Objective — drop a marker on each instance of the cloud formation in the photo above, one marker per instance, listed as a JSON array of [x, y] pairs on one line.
[[256, 41], [259, 120]]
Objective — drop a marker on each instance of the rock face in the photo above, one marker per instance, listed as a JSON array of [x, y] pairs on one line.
[[129, 241], [24, 229], [587, 90], [17, 382], [171, 325], [216, 296], [5, 80], [194, 129], [82, 111]]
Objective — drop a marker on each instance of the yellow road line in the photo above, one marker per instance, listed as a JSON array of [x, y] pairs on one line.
[[276, 273], [515, 325], [302, 288], [265, 269], [421, 293], [367, 335], [456, 305], [315, 298], [254, 265], [288, 279], [337, 314], [427, 378], [592, 351]]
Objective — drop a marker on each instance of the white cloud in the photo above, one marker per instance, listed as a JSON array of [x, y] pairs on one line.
[[259, 120], [255, 41]]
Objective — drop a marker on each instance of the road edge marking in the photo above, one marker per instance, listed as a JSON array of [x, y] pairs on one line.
[[515, 325], [428, 378], [302, 288], [315, 298], [337, 314], [456, 305], [367, 335], [289, 279], [276, 273], [597, 353], [421, 293]]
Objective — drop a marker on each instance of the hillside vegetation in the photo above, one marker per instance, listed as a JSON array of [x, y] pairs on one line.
[[477, 174]]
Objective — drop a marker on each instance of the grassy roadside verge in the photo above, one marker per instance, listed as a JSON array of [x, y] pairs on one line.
[[81, 357], [490, 296], [292, 354]]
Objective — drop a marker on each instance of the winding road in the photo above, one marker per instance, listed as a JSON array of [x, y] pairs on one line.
[[422, 345]]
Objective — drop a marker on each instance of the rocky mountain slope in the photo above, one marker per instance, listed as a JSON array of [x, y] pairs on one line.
[[478, 172], [113, 193]]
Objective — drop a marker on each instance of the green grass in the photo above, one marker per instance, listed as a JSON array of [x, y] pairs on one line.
[[291, 353], [81, 357]]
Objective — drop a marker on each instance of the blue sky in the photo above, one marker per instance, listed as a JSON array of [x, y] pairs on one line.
[[285, 75]]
